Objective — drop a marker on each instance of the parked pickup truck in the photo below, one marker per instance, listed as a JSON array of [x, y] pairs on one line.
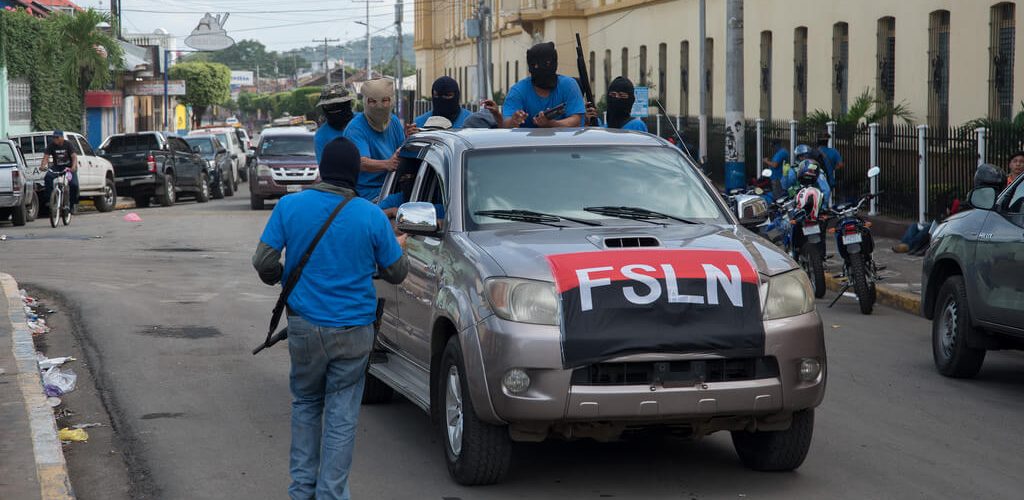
[[151, 164], [95, 174], [16, 193]]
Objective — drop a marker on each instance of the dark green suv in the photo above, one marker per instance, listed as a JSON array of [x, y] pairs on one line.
[[973, 280]]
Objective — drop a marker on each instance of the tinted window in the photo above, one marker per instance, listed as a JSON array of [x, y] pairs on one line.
[[74, 144], [1015, 205], [179, 145], [86, 148], [132, 143], [563, 181], [204, 144], [287, 145], [225, 139], [39, 143], [7, 154]]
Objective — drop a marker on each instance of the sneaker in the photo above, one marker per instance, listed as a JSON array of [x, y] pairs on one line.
[[74, 209]]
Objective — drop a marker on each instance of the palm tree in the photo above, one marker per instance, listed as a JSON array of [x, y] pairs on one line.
[[87, 53], [866, 108]]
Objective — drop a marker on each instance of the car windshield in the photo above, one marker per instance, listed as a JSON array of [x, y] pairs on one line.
[[205, 144], [287, 145], [7, 154], [132, 143], [566, 181]]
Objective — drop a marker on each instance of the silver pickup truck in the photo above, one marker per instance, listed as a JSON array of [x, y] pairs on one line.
[[17, 196], [584, 283]]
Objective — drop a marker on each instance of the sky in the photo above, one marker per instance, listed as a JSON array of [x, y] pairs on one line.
[[280, 25]]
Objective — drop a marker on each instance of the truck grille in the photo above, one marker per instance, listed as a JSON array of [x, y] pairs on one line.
[[678, 373], [295, 174]]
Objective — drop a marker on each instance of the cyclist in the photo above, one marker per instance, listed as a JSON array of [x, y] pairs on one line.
[[63, 157]]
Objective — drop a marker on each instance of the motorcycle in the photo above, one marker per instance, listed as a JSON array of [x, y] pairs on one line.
[[855, 244], [805, 242]]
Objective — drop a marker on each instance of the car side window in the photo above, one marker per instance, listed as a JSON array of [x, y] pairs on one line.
[[432, 186], [74, 144], [85, 147], [1015, 203]]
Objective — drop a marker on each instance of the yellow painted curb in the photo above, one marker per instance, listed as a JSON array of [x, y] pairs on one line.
[[51, 469], [885, 295]]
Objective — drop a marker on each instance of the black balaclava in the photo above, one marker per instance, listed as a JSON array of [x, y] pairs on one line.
[[448, 108], [619, 109], [338, 115], [542, 59], [339, 163]]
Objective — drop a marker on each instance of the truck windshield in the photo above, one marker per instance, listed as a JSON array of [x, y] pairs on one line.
[[205, 144], [567, 181], [287, 145], [132, 143], [7, 154]]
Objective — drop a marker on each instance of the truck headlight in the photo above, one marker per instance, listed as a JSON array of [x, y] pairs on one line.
[[262, 170], [523, 301], [789, 294]]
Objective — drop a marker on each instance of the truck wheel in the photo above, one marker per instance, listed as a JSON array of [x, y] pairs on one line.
[[776, 450], [951, 330], [19, 216], [142, 200], [32, 209], [476, 452], [229, 185], [218, 190], [811, 261], [167, 199], [108, 200], [256, 203], [203, 194]]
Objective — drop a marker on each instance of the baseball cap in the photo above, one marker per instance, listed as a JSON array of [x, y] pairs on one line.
[[437, 122], [58, 133]]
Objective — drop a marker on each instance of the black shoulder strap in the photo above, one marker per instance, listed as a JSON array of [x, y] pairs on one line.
[[296, 273]]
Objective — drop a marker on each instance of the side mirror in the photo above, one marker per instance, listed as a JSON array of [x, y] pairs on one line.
[[983, 198], [751, 210], [100, 152], [873, 172], [417, 218], [766, 172]]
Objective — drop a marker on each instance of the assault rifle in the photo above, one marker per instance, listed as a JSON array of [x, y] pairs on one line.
[[581, 65]]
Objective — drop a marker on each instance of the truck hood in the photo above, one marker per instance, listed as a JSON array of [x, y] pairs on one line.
[[522, 252]]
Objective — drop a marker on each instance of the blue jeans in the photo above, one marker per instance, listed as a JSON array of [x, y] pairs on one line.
[[327, 376]]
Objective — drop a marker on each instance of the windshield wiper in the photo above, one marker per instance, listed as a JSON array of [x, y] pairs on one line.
[[636, 213], [531, 216]]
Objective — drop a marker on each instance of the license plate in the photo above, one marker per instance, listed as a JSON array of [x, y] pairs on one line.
[[294, 188], [849, 239], [812, 229]]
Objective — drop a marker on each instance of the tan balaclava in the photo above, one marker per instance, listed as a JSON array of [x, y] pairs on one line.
[[379, 114]]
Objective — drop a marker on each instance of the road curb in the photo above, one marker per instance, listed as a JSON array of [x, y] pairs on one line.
[[885, 295], [51, 469]]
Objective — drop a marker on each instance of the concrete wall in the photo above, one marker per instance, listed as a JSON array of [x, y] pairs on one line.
[[617, 24]]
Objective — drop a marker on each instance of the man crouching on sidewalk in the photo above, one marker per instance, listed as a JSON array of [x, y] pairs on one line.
[[330, 314]]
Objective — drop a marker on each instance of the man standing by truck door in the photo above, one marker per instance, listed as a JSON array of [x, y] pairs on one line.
[[331, 312], [62, 156]]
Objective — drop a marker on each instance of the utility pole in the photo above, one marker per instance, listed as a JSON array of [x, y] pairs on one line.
[[369, 43], [735, 168], [327, 70], [399, 76], [257, 78], [115, 14], [483, 49], [702, 14]]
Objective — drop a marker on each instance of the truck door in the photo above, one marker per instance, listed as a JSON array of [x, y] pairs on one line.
[[1000, 258]]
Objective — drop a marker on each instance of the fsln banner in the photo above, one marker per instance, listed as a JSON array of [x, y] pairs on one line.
[[618, 302]]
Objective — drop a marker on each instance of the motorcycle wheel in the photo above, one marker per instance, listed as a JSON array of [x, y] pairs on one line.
[[812, 263], [859, 279]]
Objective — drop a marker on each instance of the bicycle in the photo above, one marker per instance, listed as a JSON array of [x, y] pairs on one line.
[[60, 201]]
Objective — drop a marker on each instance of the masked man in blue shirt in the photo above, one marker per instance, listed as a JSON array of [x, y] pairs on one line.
[[335, 104], [378, 134], [543, 90], [445, 97], [620, 98]]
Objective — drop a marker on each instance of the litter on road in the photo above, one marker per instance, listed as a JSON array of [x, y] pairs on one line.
[[79, 435], [132, 217], [47, 363], [64, 381]]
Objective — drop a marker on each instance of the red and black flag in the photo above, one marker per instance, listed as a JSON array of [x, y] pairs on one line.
[[618, 302]]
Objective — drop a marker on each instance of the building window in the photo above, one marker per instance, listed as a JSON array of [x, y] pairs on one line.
[[709, 72], [1001, 51], [885, 80], [840, 68], [593, 67], [662, 73], [938, 70], [766, 75], [684, 78], [643, 66], [20, 99], [800, 73], [625, 62], [607, 69]]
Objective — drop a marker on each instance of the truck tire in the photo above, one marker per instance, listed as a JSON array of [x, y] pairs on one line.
[[776, 450], [167, 199], [19, 216], [255, 202], [951, 329], [476, 452], [108, 200], [32, 208], [229, 185], [203, 193]]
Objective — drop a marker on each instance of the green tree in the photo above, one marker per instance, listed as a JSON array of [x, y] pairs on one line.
[[866, 108], [90, 52], [206, 84]]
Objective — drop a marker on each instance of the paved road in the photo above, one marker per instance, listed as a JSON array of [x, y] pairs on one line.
[[172, 308]]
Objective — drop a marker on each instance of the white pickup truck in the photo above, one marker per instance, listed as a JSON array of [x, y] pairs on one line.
[[17, 198], [95, 174]]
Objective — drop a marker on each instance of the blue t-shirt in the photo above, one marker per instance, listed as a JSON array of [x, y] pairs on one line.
[[459, 120], [376, 146], [324, 135], [832, 158], [523, 97], [634, 124], [336, 288], [781, 156]]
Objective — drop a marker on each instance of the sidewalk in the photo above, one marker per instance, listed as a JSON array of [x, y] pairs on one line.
[[31, 459], [901, 284]]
